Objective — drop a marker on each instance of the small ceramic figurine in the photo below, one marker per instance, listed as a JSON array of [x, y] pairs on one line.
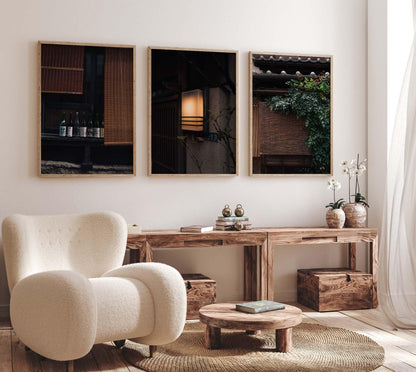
[[226, 212], [239, 225], [239, 211]]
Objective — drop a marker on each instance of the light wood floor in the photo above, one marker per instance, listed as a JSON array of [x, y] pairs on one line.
[[399, 345]]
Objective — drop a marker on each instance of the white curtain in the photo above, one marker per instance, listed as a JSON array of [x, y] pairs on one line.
[[397, 272]]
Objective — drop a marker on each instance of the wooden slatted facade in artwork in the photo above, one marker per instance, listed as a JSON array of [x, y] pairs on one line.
[[118, 96], [62, 69], [165, 152]]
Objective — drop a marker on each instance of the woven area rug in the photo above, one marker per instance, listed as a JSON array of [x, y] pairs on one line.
[[315, 348]]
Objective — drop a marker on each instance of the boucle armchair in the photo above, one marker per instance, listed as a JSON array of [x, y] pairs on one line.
[[69, 290]]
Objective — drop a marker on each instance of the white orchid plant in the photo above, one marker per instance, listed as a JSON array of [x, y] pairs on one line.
[[355, 168], [334, 185]]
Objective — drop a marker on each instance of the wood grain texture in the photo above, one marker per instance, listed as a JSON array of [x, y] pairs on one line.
[[250, 271], [200, 291], [263, 272], [269, 268], [284, 341], [334, 289], [224, 315], [5, 350], [109, 358], [212, 337], [374, 268], [352, 260], [264, 238], [23, 360]]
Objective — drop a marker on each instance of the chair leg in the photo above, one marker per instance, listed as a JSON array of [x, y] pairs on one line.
[[152, 350], [119, 343], [69, 366]]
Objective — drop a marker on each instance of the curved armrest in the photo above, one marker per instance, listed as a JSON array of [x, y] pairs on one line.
[[169, 297], [55, 314]]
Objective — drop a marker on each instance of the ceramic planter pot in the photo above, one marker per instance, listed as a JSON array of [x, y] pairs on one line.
[[355, 214], [335, 218]]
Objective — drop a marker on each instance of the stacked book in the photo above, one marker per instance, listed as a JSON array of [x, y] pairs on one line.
[[227, 223]]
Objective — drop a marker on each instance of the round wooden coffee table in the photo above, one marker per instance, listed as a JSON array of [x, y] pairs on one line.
[[224, 315]]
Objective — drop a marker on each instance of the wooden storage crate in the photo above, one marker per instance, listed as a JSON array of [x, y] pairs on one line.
[[200, 291], [335, 289]]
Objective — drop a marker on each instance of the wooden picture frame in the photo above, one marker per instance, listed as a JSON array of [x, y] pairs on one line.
[[287, 92], [87, 109], [192, 112]]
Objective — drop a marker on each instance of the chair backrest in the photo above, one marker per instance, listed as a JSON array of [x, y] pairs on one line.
[[90, 244]]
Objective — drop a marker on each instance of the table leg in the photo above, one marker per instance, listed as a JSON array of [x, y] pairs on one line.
[[212, 337], [374, 268], [250, 273], [269, 268], [134, 255], [146, 253], [284, 340], [152, 350], [352, 262]]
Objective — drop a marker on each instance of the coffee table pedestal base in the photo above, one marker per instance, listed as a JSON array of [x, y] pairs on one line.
[[283, 338]]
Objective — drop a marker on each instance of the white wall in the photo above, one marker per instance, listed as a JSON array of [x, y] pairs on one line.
[[336, 27]]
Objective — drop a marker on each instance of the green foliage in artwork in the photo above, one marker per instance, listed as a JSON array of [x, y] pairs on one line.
[[309, 99]]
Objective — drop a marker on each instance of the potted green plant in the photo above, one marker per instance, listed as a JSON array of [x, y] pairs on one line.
[[335, 216], [355, 211]]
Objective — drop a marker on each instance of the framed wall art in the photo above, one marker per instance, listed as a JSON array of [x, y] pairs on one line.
[[192, 98], [87, 109], [290, 114]]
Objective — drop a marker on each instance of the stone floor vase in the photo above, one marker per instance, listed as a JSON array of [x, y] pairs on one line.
[[355, 214], [335, 218]]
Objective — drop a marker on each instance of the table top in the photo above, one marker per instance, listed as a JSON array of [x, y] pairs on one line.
[[224, 315]]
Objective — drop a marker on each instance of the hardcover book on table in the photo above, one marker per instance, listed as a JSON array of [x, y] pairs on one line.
[[197, 228], [232, 218], [255, 307], [231, 223]]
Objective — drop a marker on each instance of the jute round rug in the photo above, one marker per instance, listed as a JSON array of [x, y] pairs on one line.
[[315, 348]]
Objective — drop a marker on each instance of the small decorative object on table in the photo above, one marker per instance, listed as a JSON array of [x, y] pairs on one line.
[[259, 306], [335, 216], [134, 229], [228, 222], [226, 212], [197, 228], [239, 211], [355, 212]]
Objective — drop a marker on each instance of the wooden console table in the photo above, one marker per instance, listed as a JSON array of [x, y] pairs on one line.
[[258, 249], [254, 242]]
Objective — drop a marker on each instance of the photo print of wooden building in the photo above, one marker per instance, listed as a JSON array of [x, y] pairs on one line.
[[86, 109], [291, 114]]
